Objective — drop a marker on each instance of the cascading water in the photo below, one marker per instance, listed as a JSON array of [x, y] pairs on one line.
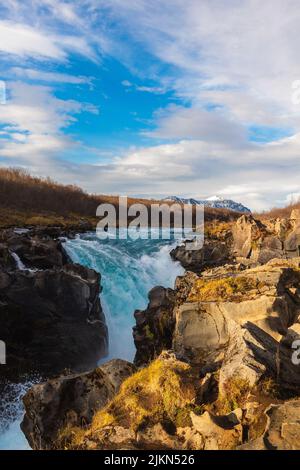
[[11, 414], [129, 270]]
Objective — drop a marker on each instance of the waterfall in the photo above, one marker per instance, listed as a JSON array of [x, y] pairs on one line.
[[129, 269]]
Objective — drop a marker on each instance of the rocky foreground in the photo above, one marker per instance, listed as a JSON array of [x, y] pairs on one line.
[[51, 318], [217, 363]]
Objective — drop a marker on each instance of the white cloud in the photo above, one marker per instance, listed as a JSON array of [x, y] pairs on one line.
[[292, 198], [33, 120], [26, 41], [50, 77], [127, 83], [156, 90], [247, 47], [237, 59], [177, 122]]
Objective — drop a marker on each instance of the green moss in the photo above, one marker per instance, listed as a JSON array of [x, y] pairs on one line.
[[148, 333], [269, 388], [183, 415], [217, 230], [229, 288], [233, 396]]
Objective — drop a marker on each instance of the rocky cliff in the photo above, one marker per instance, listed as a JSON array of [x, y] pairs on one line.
[[51, 318], [217, 356]]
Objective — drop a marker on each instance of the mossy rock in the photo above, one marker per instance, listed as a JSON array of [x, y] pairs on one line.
[[163, 392], [229, 288]]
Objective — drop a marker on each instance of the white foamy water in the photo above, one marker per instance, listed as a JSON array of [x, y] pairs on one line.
[[11, 415], [19, 263], [129, 269]]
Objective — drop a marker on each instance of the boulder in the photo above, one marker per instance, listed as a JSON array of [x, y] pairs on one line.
[[282, 431], [246, 233], [146, 412], [213, 253], [7, 260], [238, 322], [154, 328], [218, 432], [256, 241], [292, 240], [38, 253], [71, 400], [200, 334], [51, 320]]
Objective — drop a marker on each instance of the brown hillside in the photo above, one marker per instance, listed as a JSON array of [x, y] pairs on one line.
[[28, 200]]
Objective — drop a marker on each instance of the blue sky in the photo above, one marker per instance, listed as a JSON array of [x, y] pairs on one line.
[[154, 98]]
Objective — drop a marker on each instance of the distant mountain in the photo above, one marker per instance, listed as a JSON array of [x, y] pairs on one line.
[[214, 201]]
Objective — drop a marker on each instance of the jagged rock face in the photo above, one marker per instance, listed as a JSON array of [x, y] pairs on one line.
[[248, 239], [39, 253], [154, 326], [282, 430], [292, 240], [200, 333], [71, 399], [232, 328], [245, 232], [261, 243], [6, 259], [252, 240], [238, 321], [163, 414], [213, 253], [35, 249], [51, 320]]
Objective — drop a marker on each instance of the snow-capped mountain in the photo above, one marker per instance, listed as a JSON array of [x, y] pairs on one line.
[[213, 201]]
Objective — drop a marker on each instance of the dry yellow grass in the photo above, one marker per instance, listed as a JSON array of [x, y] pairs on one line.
[[229, 288]]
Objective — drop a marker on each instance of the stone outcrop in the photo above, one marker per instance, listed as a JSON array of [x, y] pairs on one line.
[[154, 326], [157, 407], [71, 399], [240, 321], [282, 430], [246, 232], [51, 320], [38, 253], [50, 313], [252, 240], [216, 356], [262, 242], [213, 253], [248, 240], [34, 251]]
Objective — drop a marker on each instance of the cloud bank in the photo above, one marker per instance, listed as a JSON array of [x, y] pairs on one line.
[[231, 128]]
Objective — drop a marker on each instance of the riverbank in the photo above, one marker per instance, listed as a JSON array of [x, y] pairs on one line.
[[128, 272], [228, 379]]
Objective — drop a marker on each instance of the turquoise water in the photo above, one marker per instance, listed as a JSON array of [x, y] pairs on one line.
[[129, 270]]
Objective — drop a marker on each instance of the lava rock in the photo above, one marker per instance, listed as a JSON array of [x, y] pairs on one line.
[[51, 320]]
